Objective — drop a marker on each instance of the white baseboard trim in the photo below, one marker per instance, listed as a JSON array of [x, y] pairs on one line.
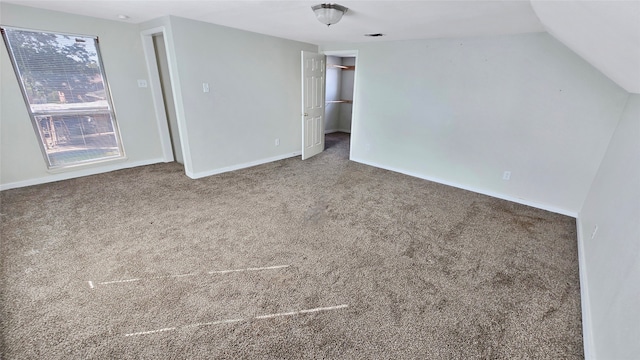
[[202, 174], [78, 173], [587, 322], [476, 190], [348, 131]]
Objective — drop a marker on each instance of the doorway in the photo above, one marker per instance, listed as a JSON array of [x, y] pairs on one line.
[[339, 93], [160, 82], [167, 96], [340, 89]]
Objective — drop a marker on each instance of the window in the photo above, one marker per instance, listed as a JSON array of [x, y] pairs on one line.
[[67, 96]]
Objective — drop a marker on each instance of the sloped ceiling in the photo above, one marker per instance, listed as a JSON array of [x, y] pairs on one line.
[[604, 33]]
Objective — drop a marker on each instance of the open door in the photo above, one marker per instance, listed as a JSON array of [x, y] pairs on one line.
[[313, 82]]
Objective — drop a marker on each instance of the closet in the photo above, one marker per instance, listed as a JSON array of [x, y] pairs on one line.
[[339, 93]]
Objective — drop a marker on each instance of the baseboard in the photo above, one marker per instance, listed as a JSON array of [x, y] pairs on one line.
[[202, 174], [476, 190], [79, 173], [587, 322], [330, 131]]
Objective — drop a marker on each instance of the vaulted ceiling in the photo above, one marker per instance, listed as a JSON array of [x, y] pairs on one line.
[[604, 33]]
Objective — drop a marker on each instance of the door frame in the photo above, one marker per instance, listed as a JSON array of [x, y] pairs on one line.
[[156, 90], [158, 103], [354, 108]]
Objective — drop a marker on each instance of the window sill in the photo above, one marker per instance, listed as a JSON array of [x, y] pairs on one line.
[[90, 165]]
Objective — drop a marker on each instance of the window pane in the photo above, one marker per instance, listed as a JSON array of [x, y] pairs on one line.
[[74, 139], [65, 88]]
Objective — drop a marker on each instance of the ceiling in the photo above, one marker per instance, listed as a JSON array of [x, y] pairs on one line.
[[605, 33], [398, 20]]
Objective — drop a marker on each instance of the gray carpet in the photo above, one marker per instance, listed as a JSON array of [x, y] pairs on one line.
[[324, 258]]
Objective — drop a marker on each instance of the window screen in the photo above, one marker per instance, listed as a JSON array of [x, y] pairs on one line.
[[66, 92]]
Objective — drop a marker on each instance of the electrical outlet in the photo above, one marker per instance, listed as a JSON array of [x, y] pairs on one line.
[[277, 142], [595, 230], [205, 87], [506, 175], [142, 83]]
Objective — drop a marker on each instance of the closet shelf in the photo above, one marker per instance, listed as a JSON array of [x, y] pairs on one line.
[[343, 67], [339, 101]]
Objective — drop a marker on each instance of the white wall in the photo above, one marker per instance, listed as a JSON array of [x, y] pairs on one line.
[[21, 161], [462, 111], [255, 95], [612, 256]]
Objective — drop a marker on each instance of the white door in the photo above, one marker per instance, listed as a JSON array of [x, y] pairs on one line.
[[313, 77]]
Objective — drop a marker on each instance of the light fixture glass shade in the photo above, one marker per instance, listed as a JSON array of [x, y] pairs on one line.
[[329, 14]]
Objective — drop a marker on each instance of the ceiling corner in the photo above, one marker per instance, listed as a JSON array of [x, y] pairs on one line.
[[604, 33]]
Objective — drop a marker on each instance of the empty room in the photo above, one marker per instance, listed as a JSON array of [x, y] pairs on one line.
[[293, 179]]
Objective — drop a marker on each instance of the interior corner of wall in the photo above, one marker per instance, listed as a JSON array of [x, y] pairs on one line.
[[587, 322], [190, 173]]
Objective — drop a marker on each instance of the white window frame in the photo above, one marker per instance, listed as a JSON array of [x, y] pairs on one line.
[[80, 111]]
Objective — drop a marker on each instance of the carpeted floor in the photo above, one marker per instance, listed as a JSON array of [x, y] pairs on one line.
[[324, 258]]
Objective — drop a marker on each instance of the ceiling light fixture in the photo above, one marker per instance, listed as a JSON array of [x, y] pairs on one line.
[[329, 14], [123, 17]]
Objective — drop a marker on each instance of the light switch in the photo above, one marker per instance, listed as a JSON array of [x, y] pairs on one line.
[[205, 87], [142, 83]]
